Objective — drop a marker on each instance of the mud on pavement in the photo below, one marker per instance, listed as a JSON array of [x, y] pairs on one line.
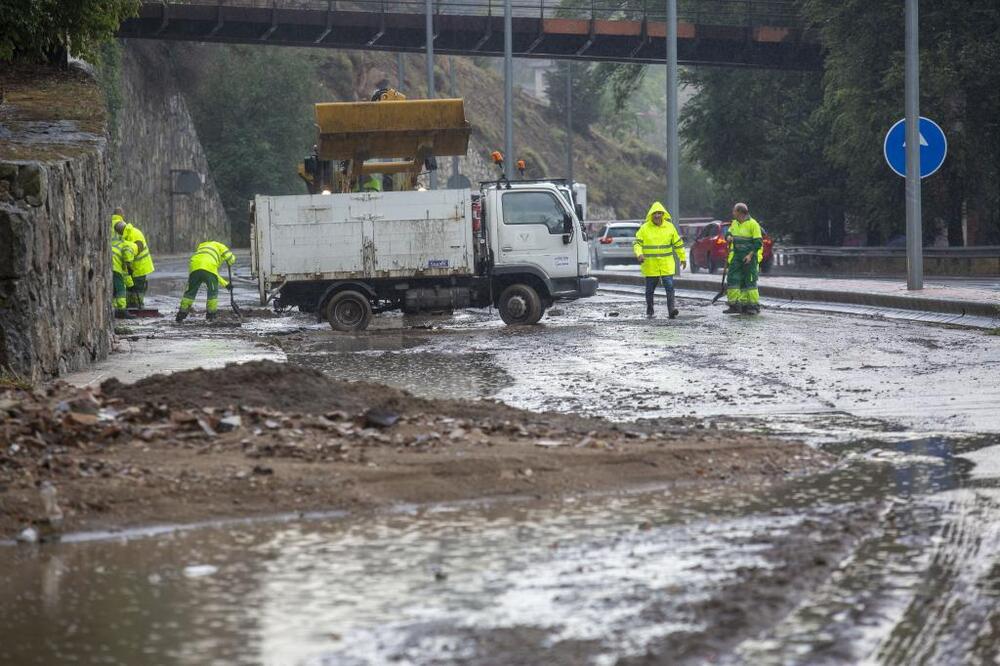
[[264, 437]]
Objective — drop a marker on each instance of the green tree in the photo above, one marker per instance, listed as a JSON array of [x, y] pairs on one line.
[[762, 138], [806, 150], [38, 30], [253, 108]]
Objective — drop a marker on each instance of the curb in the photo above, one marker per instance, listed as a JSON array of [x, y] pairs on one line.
[[917, 303]]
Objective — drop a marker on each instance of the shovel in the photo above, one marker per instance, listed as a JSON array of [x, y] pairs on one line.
[[722, 289], [232, 299]]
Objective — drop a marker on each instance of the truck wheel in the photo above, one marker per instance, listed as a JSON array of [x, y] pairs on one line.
[[520, 304], [712, 268], [692, 264], [348, 311]]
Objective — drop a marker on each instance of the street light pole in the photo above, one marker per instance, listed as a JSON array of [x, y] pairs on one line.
[[451, 91], [508, 90], [429, 24], [673, 147], [569, 121], [914, 224]]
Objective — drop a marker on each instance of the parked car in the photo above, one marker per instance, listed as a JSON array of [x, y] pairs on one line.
[[710, 248], [613, 245]]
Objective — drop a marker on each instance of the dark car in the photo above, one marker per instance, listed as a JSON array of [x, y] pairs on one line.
[[710, 248]]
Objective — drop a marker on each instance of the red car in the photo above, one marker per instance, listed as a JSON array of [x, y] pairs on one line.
[[710, 248]]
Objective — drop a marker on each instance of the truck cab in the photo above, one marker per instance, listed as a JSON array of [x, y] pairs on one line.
[[537, 240]]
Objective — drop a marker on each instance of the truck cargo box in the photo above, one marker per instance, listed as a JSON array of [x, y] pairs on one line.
[[363, 235]]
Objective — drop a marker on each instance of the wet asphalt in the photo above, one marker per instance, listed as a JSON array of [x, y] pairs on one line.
[[891, 556]]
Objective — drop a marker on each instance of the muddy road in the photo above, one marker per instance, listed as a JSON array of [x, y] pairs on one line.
[[890, 554]]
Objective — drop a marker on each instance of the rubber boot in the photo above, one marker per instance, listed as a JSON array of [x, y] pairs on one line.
[[211, 316], [181, 315], [124, 314], [753, 309], [672, 306], [734, 308]]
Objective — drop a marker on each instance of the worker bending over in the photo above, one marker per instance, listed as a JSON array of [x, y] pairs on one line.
[[746, 250], [123, 252], [204, 269], [141, 266], [656, 241]]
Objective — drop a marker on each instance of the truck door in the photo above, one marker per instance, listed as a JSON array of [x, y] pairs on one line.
[[530, 232]]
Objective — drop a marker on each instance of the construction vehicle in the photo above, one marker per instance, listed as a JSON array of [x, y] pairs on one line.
[[347, 252], [356, 137]]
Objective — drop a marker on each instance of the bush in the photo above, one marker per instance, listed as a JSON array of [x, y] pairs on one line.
[[46, 30]]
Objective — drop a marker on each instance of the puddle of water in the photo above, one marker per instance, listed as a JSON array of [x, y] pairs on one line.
[[582, 581]]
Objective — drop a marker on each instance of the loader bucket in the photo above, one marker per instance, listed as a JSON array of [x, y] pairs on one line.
[[392, 129]]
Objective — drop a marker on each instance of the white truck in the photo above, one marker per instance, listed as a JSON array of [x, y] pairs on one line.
[[518, 246]]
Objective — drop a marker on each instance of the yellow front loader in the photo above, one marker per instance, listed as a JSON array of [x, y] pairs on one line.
[[384, 144]]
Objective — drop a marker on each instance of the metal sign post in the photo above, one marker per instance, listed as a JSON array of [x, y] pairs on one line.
[[914, 224]]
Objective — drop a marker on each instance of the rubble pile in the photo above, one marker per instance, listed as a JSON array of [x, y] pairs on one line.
[[61, 431]]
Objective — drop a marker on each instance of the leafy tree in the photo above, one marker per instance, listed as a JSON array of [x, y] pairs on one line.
[[806, 150], [761, 137], [39, 30], [253, 107]]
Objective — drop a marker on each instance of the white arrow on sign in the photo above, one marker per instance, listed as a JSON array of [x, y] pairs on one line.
[[923, 141]]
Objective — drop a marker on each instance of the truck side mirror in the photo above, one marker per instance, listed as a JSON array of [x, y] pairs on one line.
[[567, 228]]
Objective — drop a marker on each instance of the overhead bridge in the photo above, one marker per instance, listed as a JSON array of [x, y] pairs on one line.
[[743, 33]]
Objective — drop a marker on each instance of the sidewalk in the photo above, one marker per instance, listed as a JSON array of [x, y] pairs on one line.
[[955, 297]]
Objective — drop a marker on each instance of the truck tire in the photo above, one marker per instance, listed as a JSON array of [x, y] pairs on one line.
[[693, 264], [712, 267], [348, 311], [520, 305]]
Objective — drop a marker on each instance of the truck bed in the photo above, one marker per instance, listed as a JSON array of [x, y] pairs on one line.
[[363, 235]]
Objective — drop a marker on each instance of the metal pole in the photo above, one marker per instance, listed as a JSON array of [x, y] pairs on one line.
[[673, 145], [430, 68], [508, 91], [451, 91], [914, 224], [170, 196], [401, 71], [569, 120]]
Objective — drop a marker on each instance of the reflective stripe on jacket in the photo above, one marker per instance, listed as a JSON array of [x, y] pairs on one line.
[[748, 232], [143, 262], [210, 256], [657, 244], [122, 254]]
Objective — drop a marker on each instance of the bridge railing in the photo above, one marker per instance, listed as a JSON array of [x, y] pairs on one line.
[[718, 12]]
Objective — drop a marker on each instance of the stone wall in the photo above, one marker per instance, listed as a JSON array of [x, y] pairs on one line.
[[55, 263], [155, 134]]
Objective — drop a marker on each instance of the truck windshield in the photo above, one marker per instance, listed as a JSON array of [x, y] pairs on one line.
[[533, 208]]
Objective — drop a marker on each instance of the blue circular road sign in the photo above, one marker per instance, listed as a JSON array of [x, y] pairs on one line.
[[933, 147]]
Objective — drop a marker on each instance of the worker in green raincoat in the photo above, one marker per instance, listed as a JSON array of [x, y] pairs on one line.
[[746, 250]]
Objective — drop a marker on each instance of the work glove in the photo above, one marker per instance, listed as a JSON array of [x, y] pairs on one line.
[[129, 282]]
